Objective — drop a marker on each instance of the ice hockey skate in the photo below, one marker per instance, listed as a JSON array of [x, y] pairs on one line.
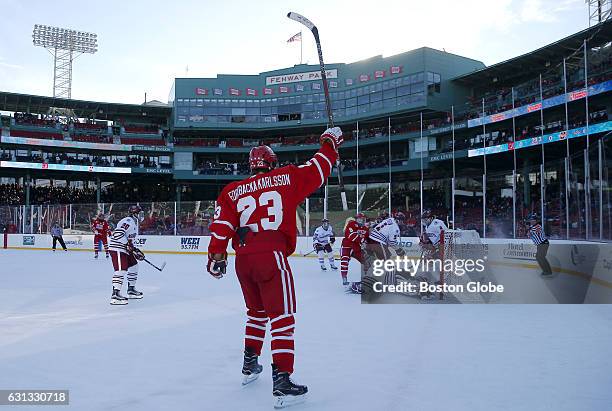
[[118, 299], [250, 368], [286, 393], [133, 293]]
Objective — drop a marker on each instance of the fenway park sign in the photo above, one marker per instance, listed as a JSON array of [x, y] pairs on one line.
[[297, 77]]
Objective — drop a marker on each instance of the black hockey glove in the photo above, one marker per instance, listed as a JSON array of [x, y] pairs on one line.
[[217, 268], [138, 254], [318, 247], [332, 240], [400, 252]]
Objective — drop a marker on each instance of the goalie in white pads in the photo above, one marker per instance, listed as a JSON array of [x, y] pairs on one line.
[[384, 237], [433, 230], [322, 241], [125, 256]]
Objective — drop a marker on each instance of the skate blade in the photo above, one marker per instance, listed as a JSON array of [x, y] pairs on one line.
[[247, 379], [118, 302], [135, 297], [288, 400]]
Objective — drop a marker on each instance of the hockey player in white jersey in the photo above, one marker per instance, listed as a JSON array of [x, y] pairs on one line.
[[322, 241], [125, 256], [384, 237], [433, 228]]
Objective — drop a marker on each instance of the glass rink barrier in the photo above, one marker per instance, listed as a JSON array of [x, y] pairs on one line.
[[463, 268], [427, 264], [158, 218]]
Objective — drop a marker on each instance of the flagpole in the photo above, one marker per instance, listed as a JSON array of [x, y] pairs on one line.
[[301, 47]]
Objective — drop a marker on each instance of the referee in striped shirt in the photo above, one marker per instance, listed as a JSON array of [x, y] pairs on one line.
[[536, 233]]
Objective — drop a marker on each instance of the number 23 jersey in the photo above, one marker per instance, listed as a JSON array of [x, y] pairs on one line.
[[263, 206]]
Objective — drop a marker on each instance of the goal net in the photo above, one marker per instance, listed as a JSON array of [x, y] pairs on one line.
[[461, 252]]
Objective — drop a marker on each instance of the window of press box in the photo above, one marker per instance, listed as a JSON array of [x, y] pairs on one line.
[[433, 82], [359, 96]]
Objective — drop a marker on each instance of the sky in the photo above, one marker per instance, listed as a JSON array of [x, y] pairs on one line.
[[144, 45]]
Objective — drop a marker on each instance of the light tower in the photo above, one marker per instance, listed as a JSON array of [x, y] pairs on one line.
[[599, 10], [65, 45]]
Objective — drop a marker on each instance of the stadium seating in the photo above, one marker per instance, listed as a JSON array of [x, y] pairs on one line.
[[36, 134]]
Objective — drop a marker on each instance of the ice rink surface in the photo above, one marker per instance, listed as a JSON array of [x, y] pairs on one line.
[[180, 348]]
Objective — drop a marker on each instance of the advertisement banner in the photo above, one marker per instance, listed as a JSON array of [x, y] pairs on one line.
[[152, 170], [64, 144], [547, 138], [161, 149], [546, 103], [65, 167]]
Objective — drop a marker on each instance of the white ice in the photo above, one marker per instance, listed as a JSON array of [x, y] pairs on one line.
[[180, 348]]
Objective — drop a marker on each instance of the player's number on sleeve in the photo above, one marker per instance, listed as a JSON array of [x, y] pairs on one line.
[[217, 212], [273, 203]]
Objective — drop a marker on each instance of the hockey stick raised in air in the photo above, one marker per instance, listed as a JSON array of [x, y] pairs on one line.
[[330, 115], [154, 266]]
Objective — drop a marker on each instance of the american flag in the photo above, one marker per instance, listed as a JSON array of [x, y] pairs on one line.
[[295, 37]]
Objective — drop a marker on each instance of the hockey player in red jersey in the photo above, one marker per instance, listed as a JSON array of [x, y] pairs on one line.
[[101, 231], [355, 234], [258, 215]]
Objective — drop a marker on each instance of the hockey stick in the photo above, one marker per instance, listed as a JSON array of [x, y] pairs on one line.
[[304, 255], [301, 19], [154, 266]]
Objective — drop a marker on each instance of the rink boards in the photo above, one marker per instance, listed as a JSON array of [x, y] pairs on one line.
[[585, 263]]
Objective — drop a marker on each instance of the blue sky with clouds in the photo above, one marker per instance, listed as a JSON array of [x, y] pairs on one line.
[[144, 45]]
